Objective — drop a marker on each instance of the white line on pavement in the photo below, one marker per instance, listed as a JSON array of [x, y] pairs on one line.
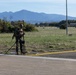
[[37, 57]]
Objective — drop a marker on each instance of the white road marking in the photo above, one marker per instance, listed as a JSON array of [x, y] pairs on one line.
[[37, 57]]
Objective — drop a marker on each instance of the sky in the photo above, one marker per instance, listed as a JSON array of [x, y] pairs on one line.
[[40, 6]]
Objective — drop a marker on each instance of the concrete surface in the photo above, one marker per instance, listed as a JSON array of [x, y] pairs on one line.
[[28, 65]]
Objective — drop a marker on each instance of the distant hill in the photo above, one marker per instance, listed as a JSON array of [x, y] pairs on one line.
[[33, 17]]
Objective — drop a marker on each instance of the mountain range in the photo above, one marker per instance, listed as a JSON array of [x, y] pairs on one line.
[[33, 17]]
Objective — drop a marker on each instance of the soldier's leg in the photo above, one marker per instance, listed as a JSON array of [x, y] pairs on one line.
[[17, 46], [21, 46]]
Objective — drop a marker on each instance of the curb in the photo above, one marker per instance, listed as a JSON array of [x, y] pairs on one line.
[[47, 53]]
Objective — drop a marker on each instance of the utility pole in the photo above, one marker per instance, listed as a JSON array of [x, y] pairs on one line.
[[66, 18]]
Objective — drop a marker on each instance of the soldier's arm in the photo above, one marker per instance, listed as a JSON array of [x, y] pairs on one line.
[[13, 35]]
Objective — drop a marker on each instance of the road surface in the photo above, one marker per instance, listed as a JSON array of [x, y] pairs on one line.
[[31, 65]]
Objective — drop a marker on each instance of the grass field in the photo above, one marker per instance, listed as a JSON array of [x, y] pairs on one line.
[[46, 39]]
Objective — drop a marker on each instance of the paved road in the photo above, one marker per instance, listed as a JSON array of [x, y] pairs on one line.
[[28, 65]]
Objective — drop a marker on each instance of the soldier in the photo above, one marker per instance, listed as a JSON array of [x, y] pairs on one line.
[[18, 34]]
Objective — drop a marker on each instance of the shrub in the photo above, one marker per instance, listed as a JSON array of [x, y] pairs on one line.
[[63, 26], [10, 29], [30, 27]]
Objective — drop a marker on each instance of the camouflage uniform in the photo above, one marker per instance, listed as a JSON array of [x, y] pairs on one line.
[[18, 34]]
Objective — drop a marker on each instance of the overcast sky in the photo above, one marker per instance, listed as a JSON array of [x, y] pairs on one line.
[[46, 6]]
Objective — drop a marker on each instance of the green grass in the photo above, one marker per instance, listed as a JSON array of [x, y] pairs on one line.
[[46, 39]]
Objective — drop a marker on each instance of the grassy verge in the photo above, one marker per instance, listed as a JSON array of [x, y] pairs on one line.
[[46, 39]]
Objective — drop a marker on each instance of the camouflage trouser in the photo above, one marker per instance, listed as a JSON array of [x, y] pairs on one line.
[[21, 44], [16, 46], [18, 41]]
